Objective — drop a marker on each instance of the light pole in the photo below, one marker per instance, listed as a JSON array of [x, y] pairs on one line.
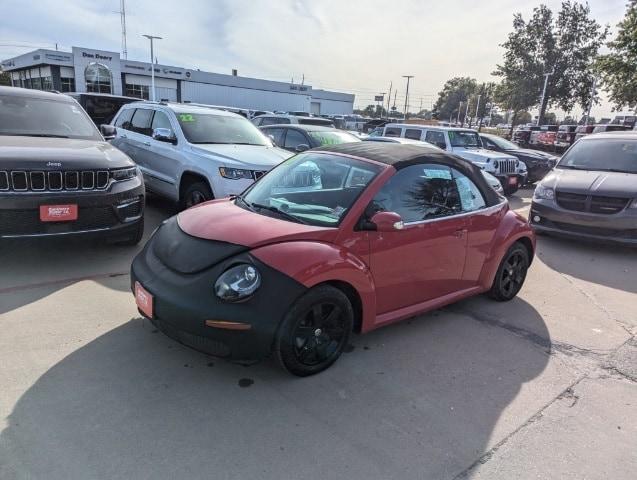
[[546, 81], [152, 64], [380, 104], [458, 116], [590, 104], [478, 106], [408, 77]]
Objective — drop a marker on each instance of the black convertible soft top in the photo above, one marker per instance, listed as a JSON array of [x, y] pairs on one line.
[[400, 156]]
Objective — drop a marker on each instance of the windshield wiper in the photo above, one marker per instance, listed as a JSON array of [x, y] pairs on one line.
[[571, 167], [46, 135], [242, 200], [270, 208]]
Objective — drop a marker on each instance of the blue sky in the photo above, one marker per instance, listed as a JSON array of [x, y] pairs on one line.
[[357, 46]]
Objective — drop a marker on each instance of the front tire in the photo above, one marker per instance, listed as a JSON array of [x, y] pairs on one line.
[[511, 274], [194, 194], [315, 331]]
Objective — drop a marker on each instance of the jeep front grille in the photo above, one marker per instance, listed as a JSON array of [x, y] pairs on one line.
[[506, 166], [40, 181]]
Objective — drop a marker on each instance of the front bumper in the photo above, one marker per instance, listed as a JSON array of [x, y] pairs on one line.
[[182, 302], [100, 213], [520, 179], [616, 228]]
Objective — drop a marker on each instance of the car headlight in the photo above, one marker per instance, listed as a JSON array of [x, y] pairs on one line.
[[235, 173], [522, 166], [543, 193], [237, 283], [124, 173]]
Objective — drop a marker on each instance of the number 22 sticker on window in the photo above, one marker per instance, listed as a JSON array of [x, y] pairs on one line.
[[186, 117]]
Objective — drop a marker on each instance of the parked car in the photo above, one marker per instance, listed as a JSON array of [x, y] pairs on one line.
[[538, 163], [545, 137], [392, 231], [466, 143], [298, 138], [592, 192], [522, 134], [609, 127], [192, 154], [565, 137], [101, 107], [58, 176], [491, 180], [265, 120], [582, 131]]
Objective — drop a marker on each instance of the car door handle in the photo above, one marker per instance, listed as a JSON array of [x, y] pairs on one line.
[[123, 136]]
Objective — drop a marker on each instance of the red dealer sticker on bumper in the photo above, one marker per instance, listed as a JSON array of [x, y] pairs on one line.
[[144, 300], [58, 213]]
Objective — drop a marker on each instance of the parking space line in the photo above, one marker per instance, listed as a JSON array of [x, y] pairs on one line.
[[29, 286]]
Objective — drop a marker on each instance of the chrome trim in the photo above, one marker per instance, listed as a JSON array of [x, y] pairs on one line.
[[25, 181], [43, 181], [486, 210], [55, 234], [61, 177], [92, 179], [6, 177], [77, 178]]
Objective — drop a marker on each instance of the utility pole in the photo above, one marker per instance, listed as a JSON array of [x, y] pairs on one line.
[[458, 116], [389, 98], [122, 12], [466, 112], [420, 106], [408, 77], [546, 81], [380, 103], [478, 106], [590, 104], [152, 63]]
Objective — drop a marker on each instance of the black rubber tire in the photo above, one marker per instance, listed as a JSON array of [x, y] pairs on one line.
[[501, 289], [285, 344], [134, 237], [201, 189]]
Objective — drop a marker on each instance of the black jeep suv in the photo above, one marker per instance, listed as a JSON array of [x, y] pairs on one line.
[[59, 177]]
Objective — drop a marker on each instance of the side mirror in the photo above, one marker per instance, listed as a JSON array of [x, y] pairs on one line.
[[109, 132], [164, 135], [302, 147], [387, 222]]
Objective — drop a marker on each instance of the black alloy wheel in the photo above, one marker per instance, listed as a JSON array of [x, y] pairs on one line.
[[315, 331], [196, 193], [511, 274]]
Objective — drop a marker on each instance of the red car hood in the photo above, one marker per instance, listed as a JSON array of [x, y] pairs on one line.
[[223, 221]]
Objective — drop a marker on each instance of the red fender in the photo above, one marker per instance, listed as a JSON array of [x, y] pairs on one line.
[[512, 228], [312, 263]]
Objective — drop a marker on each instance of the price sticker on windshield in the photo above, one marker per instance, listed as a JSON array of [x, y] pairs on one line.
[[186, 117]]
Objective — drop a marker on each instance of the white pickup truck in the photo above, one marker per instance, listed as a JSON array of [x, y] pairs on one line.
[[466, 143]]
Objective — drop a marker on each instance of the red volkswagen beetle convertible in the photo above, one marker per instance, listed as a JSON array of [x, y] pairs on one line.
[[344, 238]]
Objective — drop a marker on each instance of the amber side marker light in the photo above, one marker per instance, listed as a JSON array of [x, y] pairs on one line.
[[228, 325]]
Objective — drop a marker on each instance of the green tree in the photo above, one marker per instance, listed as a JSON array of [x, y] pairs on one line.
[[522, 118], [618, 69], [452, 99], [565, 45], [4, 78], [550, 118]]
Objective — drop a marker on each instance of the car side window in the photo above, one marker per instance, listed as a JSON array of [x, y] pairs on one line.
[[276, 133], [393, 132], [160, 120], [141, 121], [419, 192], [294, 138], [257, 121], [436, 138], [124, 118], [413, 133], [471, 199]]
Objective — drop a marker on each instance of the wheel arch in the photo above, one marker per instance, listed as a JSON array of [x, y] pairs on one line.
[[188, 177]]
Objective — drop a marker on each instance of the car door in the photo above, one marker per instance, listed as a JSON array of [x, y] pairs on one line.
[[164, 161], [437, 138], [138, 138], [424, 260], [123, 125]]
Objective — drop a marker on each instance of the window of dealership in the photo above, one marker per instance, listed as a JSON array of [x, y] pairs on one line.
[[99, 78]]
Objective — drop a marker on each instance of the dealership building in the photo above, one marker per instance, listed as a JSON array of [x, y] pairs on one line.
[[90, 70]]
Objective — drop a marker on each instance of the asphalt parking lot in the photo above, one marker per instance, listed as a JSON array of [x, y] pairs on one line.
[[540, 387]]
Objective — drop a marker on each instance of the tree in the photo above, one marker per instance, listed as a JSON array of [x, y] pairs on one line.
[[550, 118], [618, 69], [452, 99], [5, 79], [522, 118], [568, 120], [565, 45]]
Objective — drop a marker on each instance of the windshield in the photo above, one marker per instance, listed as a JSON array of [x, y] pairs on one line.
[[333, 138], [211, 128], [614, 155], [503, 143], [313, 188], [36, 117], [464, 139]]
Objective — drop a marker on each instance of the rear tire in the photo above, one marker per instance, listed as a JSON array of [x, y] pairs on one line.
[[315, 331], [511, 274], [194, 194]]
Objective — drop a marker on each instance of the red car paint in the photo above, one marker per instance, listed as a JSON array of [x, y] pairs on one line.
[[396, 274]]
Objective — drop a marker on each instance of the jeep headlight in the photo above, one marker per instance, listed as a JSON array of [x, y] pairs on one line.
[[543, 193], [235, 173], [522, 166], [123, 173], [237, 282]]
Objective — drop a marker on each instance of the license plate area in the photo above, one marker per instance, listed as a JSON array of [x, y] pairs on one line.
[[144, 300], [58, 213], [513, 181]]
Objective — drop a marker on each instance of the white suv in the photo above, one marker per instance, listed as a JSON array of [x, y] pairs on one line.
[[466, 143], [191, 154]]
